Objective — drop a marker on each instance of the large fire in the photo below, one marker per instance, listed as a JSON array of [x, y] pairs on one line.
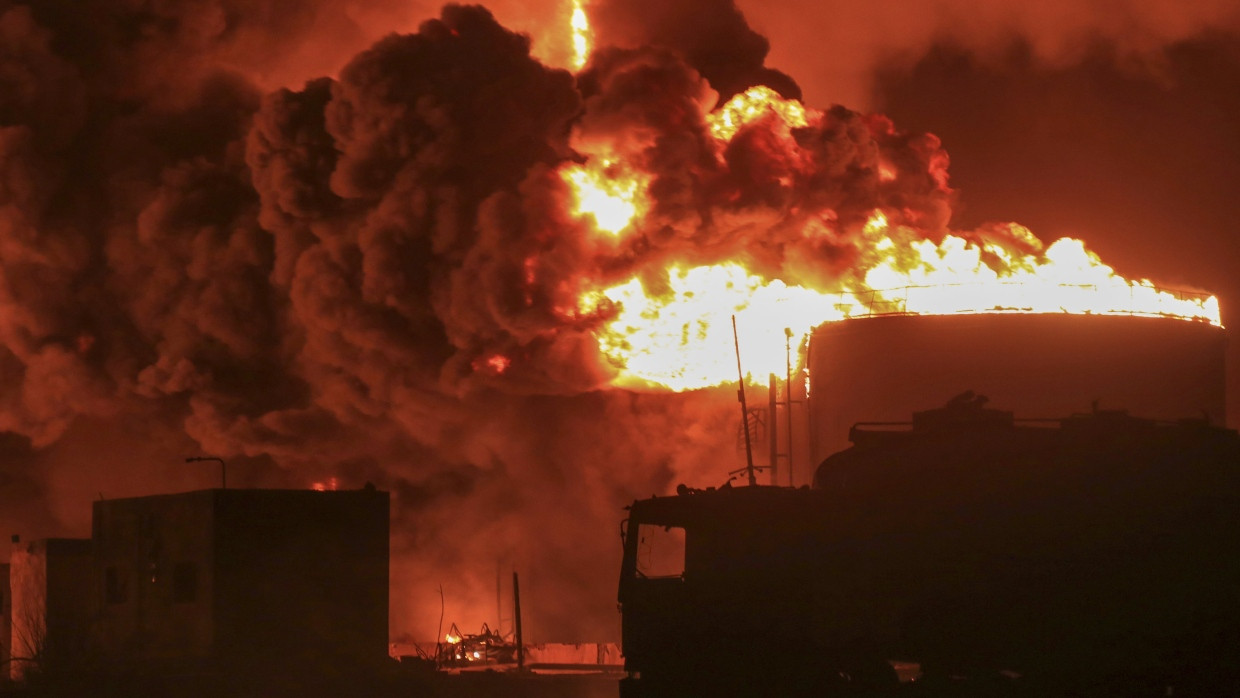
[[678, 335], [607, 191], [580, 25]]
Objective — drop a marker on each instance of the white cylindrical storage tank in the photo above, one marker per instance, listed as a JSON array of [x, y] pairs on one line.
[[882, 369]]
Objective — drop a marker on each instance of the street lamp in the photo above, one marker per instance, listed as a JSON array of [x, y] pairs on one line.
[[223, 472]]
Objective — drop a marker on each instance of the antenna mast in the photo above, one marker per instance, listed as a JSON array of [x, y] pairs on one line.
[[740, 393]]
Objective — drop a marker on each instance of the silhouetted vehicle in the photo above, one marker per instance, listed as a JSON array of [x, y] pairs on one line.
[[1093, 555]]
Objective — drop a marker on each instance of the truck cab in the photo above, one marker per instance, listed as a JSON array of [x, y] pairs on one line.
[[723, 593], [1095, 550]]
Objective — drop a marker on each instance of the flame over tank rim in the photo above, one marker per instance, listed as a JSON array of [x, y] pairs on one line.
[[898, 299], [1016, 313]]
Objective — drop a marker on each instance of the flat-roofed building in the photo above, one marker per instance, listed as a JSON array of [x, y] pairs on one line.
[[237, 578], [6, 626], [50, 603]]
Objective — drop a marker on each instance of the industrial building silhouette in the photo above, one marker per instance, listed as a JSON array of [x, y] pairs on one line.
[[239, 579]]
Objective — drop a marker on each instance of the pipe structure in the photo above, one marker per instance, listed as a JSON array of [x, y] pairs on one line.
[[223, 469], [516, 613], [788, 397], [772, 428]]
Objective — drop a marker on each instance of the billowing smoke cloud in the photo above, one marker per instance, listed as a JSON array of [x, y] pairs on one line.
[[712, 36], [375, 275], [833, 49], [312, 284], [754, 202]]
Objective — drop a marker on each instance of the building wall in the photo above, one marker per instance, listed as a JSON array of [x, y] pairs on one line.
[[6, 630], [1038, 366], [153, 578], [302, 576], [51, 602], [242, 577]]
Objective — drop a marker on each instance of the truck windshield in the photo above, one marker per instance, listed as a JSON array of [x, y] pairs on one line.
[[660, 551]]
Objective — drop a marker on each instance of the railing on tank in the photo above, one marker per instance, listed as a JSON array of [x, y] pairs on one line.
[[1033, 297]]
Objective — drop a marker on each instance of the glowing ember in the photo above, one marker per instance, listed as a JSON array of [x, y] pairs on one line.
[[671, 326], [607, 192], [581, 35]]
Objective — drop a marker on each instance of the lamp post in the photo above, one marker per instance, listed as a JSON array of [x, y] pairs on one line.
[[223, 471]]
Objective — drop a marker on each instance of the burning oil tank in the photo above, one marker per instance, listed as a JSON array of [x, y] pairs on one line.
[[882, 368]]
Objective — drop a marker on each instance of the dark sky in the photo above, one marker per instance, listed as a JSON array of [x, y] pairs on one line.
[[200, 251]]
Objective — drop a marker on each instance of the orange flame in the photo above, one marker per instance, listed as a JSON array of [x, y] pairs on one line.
[[580, 25], [608, 192], [678, 336], [683, 339], [750, 106]]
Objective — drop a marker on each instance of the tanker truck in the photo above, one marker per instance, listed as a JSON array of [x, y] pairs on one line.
[[1098, 554]]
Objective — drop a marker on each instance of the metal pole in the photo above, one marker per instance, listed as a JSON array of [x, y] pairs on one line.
[[788, 397], [516, 613], [740, 373], [772, 428]]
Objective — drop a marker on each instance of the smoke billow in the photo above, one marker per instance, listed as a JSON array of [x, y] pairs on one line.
[[712, 36], [836, 47], [312, 284]]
